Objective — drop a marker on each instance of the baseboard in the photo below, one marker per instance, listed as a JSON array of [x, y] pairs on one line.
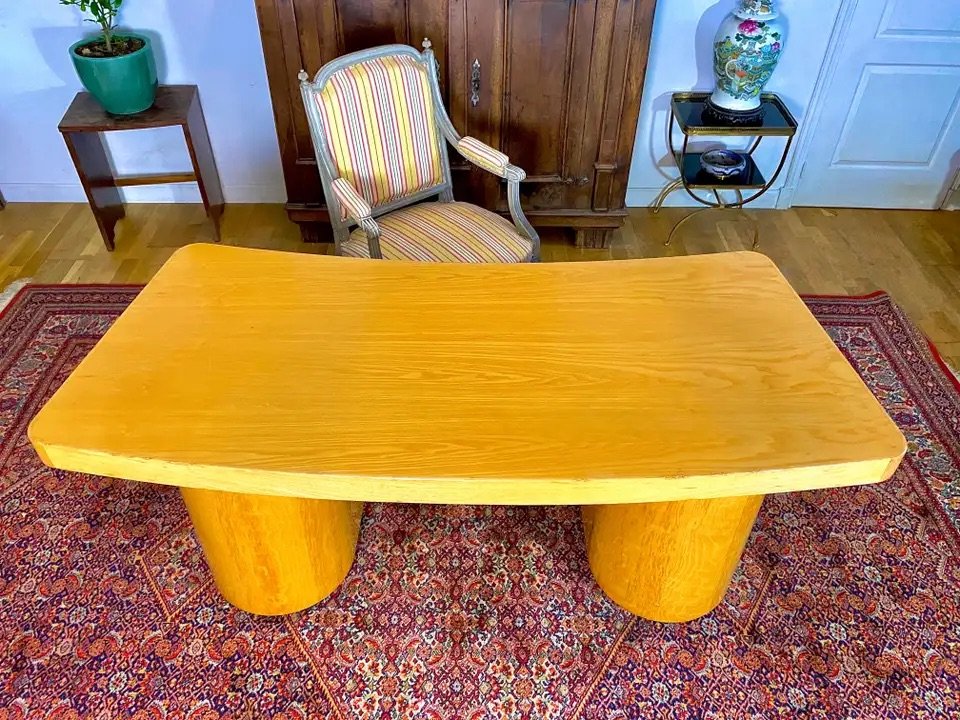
[[953, 200], [181, 193], [645, 197]]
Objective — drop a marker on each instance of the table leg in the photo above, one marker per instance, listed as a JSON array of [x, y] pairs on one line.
[[668, 561], [96, 176], [273, 555], [204, 166], [662, 195]]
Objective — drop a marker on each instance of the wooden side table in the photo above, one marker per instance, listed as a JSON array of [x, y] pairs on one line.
[[83, 124]]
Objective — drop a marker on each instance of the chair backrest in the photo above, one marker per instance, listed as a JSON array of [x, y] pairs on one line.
[[374, 122]]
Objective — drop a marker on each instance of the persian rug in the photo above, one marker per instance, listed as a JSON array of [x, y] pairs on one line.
[[845, 606]]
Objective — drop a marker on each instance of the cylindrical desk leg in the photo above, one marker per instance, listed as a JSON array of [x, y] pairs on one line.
[[273, 555], [668, 561]]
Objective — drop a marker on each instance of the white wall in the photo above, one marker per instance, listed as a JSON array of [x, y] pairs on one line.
[[214, 44], [681, 58]]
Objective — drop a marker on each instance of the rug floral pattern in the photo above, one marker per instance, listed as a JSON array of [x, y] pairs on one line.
[[846, 604]]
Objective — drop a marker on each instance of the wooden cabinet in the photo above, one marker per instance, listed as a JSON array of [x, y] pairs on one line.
[[555, 84]]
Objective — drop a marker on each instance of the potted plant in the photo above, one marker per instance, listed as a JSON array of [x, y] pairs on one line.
[[118, 69]]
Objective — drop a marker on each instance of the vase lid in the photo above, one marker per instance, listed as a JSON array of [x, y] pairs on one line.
[[756, 10]]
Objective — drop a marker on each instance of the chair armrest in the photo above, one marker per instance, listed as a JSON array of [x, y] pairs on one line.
[[354, 207], [352, 204], [484, 156]]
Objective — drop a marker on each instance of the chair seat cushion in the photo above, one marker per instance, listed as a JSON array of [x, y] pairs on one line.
[[444, 232]]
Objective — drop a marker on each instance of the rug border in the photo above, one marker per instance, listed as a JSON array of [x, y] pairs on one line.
[[865, 296], [947, 370], [94, 286]]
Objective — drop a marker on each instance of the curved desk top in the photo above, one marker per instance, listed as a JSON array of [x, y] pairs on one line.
[[570, 383]]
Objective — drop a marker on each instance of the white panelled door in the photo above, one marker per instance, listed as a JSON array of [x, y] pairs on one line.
[[889, 133]]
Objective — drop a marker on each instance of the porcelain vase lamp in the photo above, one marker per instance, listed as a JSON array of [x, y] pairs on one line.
[[746, 51]]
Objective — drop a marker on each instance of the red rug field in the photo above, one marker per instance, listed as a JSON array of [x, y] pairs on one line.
[[847, 604]]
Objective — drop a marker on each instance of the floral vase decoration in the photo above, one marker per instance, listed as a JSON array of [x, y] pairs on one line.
[[746, 51]]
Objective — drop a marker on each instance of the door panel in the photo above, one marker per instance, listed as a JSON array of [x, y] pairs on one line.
[[889, 135], [429, 20], [929, 19], [912, 138], [476, 30], [536, 66], [373, 22], [536, 100]]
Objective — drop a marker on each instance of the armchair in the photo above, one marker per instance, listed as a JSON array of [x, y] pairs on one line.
[[380, 134]]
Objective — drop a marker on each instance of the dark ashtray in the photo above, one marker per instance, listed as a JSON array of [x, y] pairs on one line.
[[723, 163]]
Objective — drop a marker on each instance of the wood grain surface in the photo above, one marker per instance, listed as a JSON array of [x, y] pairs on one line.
[[668, 561], [579, 383], [171, 107], [911, 254], [274, 555]]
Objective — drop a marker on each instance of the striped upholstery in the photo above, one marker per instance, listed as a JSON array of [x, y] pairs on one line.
[[351, 204], [378, 120], [482, 155], [443, 232]]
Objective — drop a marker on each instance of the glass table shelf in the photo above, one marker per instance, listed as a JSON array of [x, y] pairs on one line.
[[688, 109], [750, 178]]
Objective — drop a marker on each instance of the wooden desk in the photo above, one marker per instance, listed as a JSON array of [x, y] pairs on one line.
[[176, 106], [279, 391]]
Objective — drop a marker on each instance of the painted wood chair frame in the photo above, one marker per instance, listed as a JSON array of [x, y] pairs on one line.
[[444, 131]]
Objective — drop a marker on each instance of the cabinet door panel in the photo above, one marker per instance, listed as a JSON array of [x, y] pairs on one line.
[[372, 22], [513, 90], [475, 104], [548, 51], [537, 71]]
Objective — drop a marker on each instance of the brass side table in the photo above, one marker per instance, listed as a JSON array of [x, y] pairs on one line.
[[687, 112]]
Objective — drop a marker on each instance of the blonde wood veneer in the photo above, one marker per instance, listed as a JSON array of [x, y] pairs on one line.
[[274, 555], [668, 561], [909, 253], [579, 383], [242, 375]]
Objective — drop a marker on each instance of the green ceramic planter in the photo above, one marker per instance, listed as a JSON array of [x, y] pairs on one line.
[[123, 85]]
